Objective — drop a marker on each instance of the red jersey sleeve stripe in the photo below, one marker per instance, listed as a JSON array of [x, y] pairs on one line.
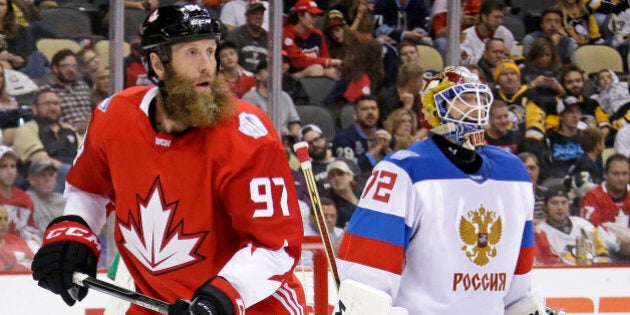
[[527, 253], [389, 257]]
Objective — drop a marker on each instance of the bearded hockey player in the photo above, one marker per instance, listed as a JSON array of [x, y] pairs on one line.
[[444, 227], [198, 181]]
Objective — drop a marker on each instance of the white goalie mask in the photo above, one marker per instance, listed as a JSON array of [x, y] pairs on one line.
[[456, 104]]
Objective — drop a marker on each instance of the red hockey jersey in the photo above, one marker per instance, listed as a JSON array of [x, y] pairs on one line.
[[214, 201]]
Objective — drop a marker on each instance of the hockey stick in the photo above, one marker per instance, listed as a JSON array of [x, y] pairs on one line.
[[301, 149], [121, 293]]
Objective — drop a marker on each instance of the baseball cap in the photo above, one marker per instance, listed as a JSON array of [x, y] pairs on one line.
[[556, 190], [334, 18], [39, 166], [307, 6], [4, 150], [504, 65], [254, 4], [566, 102], [339, 165], [308, 128]]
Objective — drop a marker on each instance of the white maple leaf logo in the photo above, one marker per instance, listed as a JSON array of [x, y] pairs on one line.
[[152, 241]]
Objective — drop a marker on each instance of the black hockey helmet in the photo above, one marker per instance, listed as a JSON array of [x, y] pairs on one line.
[[174, 24]]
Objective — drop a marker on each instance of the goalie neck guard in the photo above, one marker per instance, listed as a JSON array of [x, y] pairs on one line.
[[456, 104]]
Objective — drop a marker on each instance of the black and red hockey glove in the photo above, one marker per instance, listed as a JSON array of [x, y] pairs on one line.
[[215, 297], [69, 245]]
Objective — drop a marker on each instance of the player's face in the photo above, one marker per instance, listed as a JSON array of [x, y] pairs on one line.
[[366, 113], [44, 182], [66, 70], [48, 107], [339, 180], [409, 54], [604, 79], [8, 171], [557, 209], [465, 106], [4, 220], [193, 65], [532, 169], [573, 83], [317, 145], [617, 176], [499, 120], [509, 80]]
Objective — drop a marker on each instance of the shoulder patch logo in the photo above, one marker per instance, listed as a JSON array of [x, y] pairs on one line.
[[102, 106], [479, 234], [403, 154], [251, 125]]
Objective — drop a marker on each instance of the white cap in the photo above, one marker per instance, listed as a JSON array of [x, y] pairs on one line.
[[308, 128], [339, 165], [7, 150], [565, 102]]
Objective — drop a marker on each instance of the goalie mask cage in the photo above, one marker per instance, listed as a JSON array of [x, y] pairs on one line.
[[316, 277]]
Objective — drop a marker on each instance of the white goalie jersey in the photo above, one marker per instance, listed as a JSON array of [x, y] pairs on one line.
[[440, 241]]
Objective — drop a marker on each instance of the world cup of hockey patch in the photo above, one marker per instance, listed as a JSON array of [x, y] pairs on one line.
[[403, 154], [480, 232], [251, 125]]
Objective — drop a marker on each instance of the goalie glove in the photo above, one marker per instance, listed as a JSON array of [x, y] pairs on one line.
[[69, 245], [215, 297]]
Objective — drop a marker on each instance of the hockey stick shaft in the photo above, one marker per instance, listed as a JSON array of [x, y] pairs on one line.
[[121, 293], [301, 148]]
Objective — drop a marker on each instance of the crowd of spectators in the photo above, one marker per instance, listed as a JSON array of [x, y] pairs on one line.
[[570, 128]]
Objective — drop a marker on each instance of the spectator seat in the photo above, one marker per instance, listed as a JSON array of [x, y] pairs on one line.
[[592, 58], [320, 116], [50, 46], [516, 25], [317, 88], [102, 51], [430, 58], [346, 117], [71, 23]]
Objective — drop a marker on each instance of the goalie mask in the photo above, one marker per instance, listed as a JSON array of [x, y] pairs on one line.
[[456, 105]]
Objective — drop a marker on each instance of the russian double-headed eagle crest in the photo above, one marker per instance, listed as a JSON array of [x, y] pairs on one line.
[[480, 231]]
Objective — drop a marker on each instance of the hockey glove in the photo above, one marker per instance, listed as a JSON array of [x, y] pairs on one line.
[[215, 297], [69, 245]]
